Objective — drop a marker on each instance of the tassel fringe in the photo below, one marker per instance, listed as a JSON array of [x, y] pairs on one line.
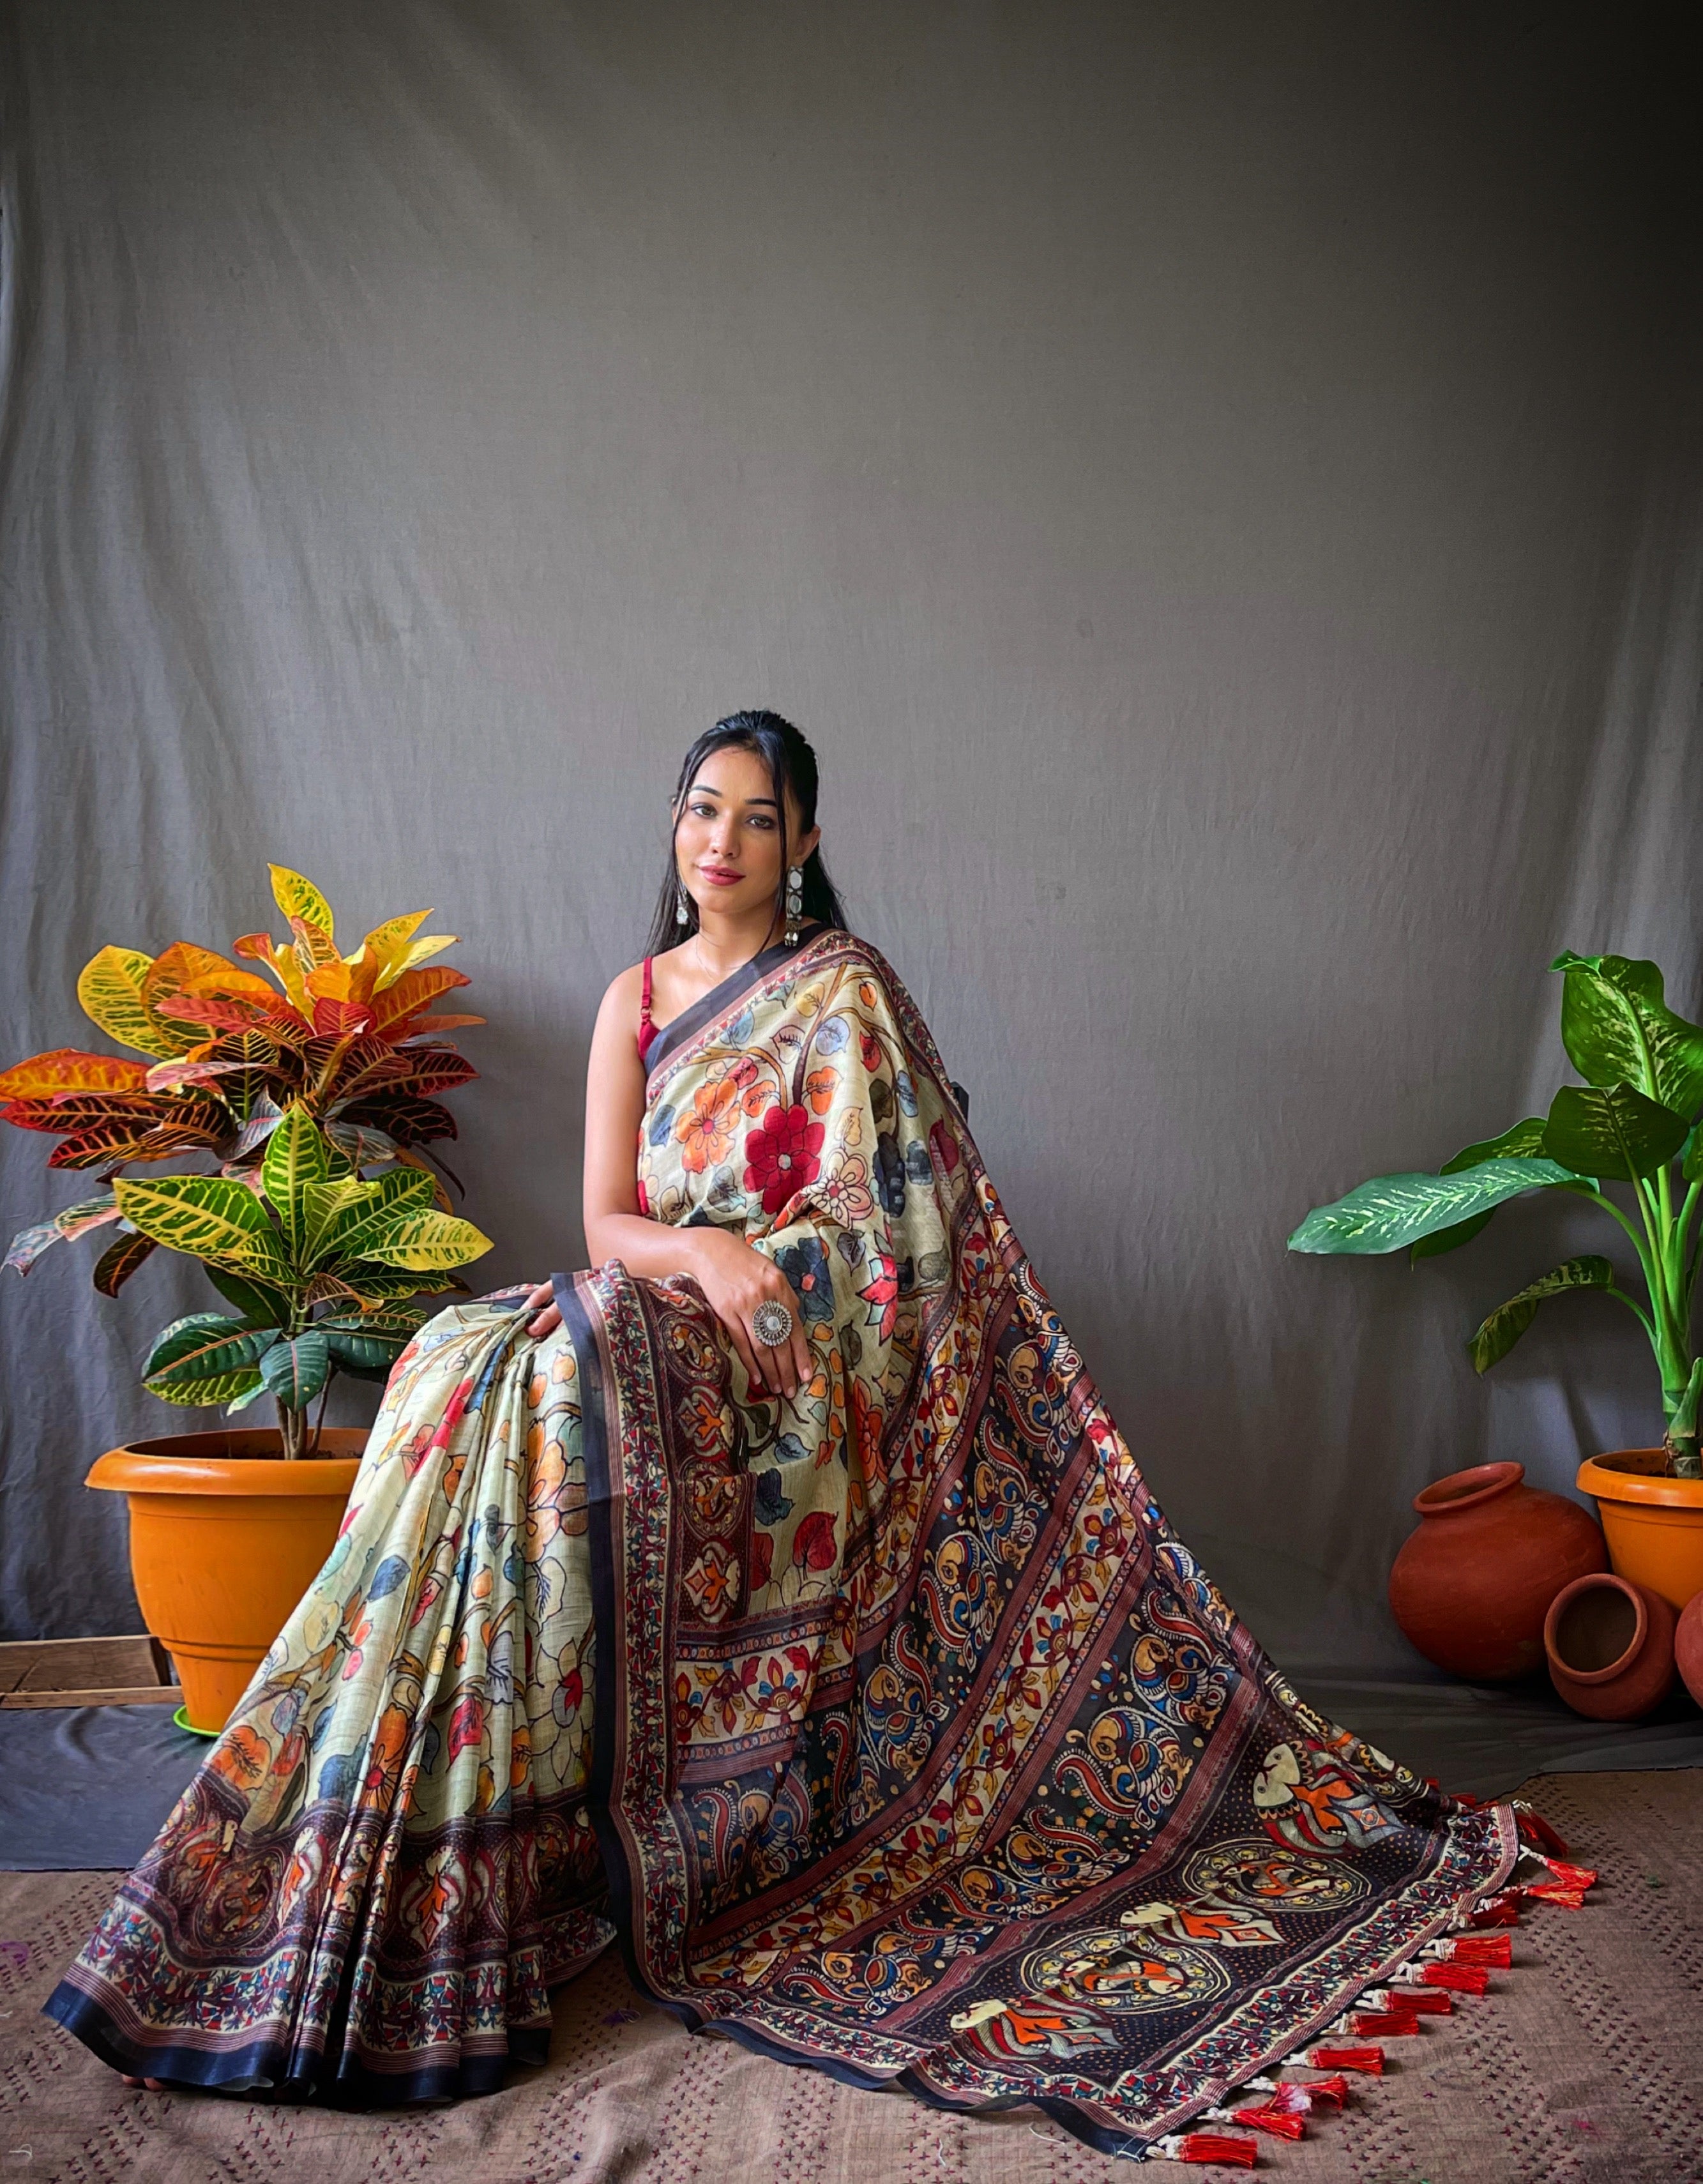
[[1426, 1985]]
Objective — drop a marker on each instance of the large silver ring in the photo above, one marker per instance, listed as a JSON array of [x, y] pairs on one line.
[[772, 1323]]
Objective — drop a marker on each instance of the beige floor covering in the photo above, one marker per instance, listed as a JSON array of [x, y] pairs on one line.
[[1585, 2066]]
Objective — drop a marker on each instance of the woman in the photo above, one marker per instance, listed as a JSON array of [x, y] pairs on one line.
[[779, 1597]]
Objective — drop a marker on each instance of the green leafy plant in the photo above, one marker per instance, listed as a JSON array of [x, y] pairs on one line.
[[355, 1040], [319, 1261], [1635, 1123]]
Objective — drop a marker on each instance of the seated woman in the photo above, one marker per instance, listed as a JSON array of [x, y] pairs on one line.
[[779, 1598]]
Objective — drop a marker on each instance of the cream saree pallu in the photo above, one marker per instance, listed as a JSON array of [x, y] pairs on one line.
[[892, 1728]]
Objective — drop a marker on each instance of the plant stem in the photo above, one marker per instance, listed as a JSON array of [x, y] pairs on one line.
[[292, 1431], [320, 1422]]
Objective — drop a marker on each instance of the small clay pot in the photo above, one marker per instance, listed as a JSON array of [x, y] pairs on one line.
[[1471, 1586], [1688, 1646], [1610, 1645]]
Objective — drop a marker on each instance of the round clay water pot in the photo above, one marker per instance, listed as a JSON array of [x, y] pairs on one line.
[[1471, 1586], [1654, 1523], [225, 1538], [1610, 1645], [1688, 1646]]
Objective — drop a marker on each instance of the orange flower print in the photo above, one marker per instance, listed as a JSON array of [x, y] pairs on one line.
[[705, 1130]]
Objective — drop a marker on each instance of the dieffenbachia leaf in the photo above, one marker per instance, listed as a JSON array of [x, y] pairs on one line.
[[1522, 1142], [1508, 1322], [297, 1157], [1691, 1155], [1393, 1211], [110, 989], [296, 1371], [119, 1261], [1611, 1130], [206, 1217], [1618, 1028], [1448, 1239], [298, 898], [424, 1242]]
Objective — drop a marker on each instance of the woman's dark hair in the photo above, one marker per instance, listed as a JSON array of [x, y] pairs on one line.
[[791, 765]]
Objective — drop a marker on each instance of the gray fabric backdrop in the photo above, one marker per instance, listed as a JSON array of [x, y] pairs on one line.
[[1220, 486]]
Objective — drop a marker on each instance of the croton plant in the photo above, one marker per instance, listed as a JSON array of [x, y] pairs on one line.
[[295, 1089]]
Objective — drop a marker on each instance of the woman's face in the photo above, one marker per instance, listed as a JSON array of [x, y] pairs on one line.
[[727, 841]]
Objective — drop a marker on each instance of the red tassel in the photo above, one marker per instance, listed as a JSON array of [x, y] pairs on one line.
[[1495, 1950], [1572, 1876], [1392, 2024], [1503, 1910], [1464, 1979], [1369, 2059], [1323, 2092], [1214, 2146], [1422, 2001], [1535, 1830], [1282, 2122], [1552, 1892]]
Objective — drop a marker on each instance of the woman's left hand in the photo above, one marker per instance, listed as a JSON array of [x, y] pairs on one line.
[[549, 1319]]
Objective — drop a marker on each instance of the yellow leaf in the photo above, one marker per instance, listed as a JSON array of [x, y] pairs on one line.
[[425, 1241], [387, 943], [67, 1070], [207, 1217], [110, 990], [300, 899], [416, 952]]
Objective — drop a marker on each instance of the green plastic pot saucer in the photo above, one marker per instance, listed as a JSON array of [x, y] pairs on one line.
[[181, 1718]]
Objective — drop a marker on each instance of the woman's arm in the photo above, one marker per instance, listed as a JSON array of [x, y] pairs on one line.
[[734, 1278]]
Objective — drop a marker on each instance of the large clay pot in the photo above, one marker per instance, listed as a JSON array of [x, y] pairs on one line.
[[225, 1538], [1471, 1586], [1610, 1645], [1654, 1523], [1688, 1646]]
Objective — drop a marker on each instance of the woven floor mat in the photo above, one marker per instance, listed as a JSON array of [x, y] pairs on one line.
[[1584, 2066]]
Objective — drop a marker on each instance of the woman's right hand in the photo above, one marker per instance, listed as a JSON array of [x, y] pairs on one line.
[[736, 1278]]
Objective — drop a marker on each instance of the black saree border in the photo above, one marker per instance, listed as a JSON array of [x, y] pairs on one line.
[[674, 1034]]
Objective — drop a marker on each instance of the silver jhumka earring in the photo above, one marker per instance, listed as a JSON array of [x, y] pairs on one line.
[[680, 909], [795, 904]]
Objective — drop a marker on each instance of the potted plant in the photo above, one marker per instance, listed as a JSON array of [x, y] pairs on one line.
[[1633, 1125], [296, 1094]]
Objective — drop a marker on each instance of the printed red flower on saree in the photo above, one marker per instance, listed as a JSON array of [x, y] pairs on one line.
[[783, 1154]]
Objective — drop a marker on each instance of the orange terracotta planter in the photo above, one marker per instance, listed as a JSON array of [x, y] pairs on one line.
[[225, 1538], [1654, 1525]]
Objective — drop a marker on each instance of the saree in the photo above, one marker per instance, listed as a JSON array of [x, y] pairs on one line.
[[890, 1730]]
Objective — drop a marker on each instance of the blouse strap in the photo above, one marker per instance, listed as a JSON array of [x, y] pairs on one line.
[[644, 1023]]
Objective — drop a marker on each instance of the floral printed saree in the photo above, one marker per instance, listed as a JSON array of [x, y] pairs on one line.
[[891, 1730]]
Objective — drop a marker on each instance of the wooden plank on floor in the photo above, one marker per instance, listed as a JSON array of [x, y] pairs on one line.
[[108, 1695], [59, 1665]]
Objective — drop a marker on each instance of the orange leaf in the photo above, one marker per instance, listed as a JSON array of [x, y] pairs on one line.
[[314, 945], [337, 1019], [819, 1089], [67, 1069], [425, 1026], [411, 993]]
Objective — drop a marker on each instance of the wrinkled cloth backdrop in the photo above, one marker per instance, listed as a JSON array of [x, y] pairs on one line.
[[1219, 490]]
